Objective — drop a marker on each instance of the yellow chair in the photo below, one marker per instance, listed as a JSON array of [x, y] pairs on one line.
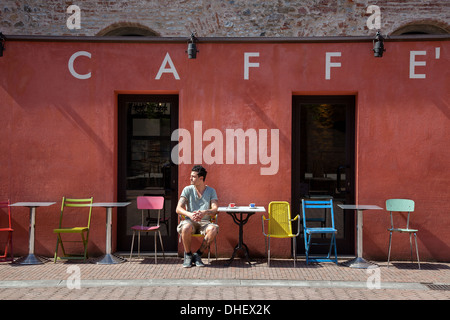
[[215, 220], [280, 225], [69, 215]]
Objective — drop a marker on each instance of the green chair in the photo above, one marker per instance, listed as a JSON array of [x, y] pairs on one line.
[[72, 211], [402, 205], [280, 225]]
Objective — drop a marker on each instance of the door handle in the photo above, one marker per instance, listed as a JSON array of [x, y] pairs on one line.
[[338, 179]]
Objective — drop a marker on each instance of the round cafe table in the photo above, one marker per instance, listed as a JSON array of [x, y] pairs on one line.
[[108, 257], [31, 258], [359, 261], [240, 216]]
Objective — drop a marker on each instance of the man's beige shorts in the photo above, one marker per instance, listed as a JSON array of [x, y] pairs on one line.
[[198, 227]]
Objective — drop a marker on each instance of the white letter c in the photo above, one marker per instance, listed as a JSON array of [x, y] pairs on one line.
[[72, 60]]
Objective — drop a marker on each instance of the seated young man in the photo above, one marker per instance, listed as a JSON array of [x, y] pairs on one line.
[[198, 203]]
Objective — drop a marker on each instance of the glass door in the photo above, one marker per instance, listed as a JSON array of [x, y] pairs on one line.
[[323, 151], [145, 167]]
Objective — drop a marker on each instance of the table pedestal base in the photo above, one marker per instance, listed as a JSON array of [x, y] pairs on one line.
[[30, 259], [109, 259], [240, 246], [360, 263]]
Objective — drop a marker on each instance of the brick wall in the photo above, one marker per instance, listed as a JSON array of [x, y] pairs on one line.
[[232, 18]]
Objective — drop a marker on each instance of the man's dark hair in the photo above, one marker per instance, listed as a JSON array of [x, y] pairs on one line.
[[201, 172]]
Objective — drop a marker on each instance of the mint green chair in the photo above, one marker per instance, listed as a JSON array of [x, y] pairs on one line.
[[402, 205]]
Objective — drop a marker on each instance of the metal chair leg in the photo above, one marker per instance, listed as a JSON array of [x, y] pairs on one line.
[[154, 240], [417, 250], [410, 247], [335, 249], [139, 244], [294, 244], [56, 251], [215, 252], [389, 250], [162, 246], [331, 247], [132, 244], [215, 245], [307, 248]]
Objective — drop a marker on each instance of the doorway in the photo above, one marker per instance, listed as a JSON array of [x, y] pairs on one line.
[[145, 167], [323, 162]]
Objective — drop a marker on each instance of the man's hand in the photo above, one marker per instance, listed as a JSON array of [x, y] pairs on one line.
[[198, 215]]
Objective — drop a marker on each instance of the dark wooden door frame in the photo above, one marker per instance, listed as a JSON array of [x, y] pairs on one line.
[[122, 241], [346, 245]]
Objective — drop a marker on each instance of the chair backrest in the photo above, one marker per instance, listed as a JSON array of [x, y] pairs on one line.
[[317, 204], [76, 203], [150, 202], [279, 218], [400, 205], [5, 204]]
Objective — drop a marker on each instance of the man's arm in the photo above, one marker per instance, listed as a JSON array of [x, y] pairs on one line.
[[181, 207], [214, 207], [210, 212]]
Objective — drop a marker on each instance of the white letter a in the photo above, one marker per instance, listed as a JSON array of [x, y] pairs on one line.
[[171, 68]]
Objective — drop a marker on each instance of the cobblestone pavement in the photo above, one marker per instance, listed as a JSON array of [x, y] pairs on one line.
[[142, 279]]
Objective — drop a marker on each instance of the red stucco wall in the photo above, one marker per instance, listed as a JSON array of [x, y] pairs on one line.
[[59, 133]]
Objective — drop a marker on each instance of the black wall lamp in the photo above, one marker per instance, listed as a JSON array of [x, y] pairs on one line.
[[378, 45], [2, 44], [192, 47]]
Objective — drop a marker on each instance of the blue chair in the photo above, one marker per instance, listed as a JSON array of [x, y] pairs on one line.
[[308, 232], [402, 205], [318, 219]]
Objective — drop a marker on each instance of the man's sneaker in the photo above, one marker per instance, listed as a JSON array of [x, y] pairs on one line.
[[197, 260], [187, 260]]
